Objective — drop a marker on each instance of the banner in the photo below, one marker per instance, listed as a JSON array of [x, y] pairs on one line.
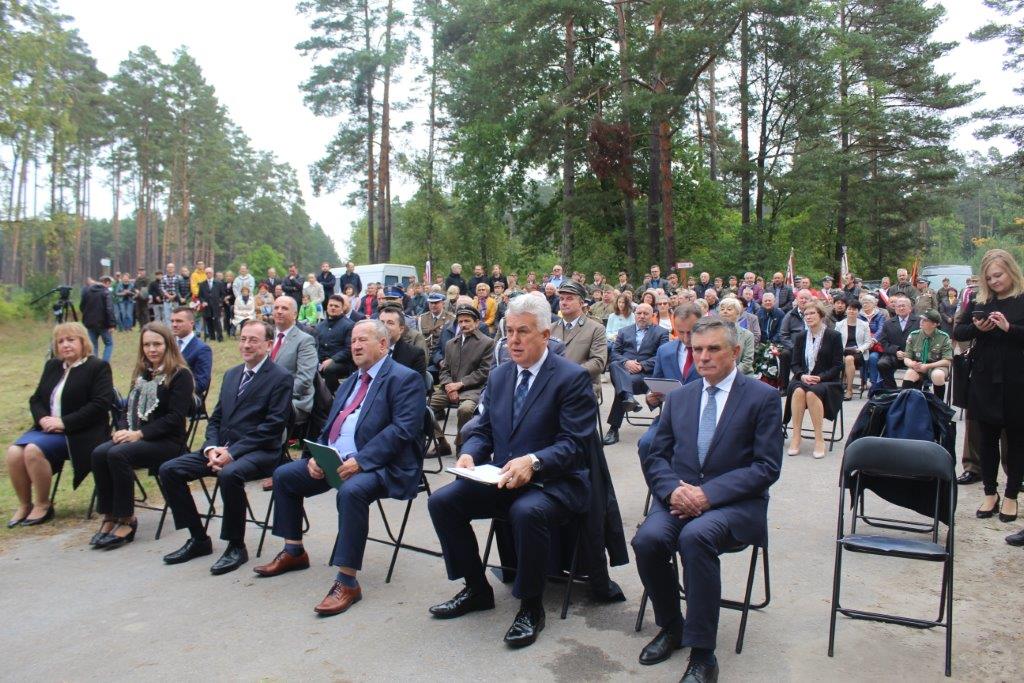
[[844, 268], [428, 278], [790, 275]]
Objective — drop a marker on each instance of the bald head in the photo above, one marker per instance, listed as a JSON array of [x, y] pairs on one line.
[[643, 314], [285, 312]]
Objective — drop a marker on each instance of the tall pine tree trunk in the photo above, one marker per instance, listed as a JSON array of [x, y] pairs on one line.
[[712, 116], [371, 189], [384, 166], [746, 238], [628, 212], [844, 141], [115, 221], [568, 158]]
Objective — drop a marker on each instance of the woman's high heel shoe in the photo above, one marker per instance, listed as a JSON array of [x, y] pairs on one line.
[[112, 540], [986, 514], [1003, 517]]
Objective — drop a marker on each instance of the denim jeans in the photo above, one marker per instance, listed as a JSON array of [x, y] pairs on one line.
[[873, 367], [108, 343], [125, 311]]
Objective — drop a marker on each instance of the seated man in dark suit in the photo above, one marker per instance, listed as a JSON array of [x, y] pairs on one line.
[[539, 410], [243, 442], [197, 354], [770, 317], [674, 360], [400, 350], [893, 339], [631, 359], [385, 401], [717, 450], [333, 338]]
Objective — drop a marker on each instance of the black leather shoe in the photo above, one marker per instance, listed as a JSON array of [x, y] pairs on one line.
[[968, 478], [234, 557], [1004, 517], [467, 600], [631, 406], [112, 540], [606, 591], [701, 672], [39, 520], [612, 437], [661, 648], [527, 625], [986, 514], [18, 520], [1016, 539], [193, 548]]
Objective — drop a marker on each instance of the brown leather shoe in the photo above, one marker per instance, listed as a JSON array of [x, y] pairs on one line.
[[338, 599], [283, 563], [443, 448]]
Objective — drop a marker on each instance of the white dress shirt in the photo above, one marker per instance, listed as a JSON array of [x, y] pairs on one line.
[[724, 387], [345, 444]]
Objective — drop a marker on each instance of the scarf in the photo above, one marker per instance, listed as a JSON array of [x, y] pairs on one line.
[[142, 400]]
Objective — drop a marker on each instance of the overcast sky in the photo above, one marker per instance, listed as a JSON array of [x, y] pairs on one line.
[[246, 49]]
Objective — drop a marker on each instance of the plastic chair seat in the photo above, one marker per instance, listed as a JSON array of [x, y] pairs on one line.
[[894, 547]]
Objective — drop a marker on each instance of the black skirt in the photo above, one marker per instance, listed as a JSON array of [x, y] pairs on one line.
[[830, 393], [858, 357]]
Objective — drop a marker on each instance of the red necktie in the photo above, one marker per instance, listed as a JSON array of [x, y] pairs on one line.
[[688, 363], [352, 407], [277, 346]]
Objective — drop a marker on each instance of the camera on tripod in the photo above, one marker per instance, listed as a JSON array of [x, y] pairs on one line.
[[63, 309]]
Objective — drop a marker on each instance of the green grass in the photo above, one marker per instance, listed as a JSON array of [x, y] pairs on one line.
[[24, 347]]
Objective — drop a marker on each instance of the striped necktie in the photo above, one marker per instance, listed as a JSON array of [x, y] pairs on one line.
[[520, 397], [247, 377], [708, 422]]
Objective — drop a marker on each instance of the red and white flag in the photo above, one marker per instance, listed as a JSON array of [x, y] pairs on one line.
[[844, 268], [790, 275], [428, 278]]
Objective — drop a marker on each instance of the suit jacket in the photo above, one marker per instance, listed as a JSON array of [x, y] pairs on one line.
[[828, 364], [667, 366], [431, 330], [297, 355], [256, 420], [199, 357], [894, 339], [389, 430], [447, 333], [411, 356], [469, 363], [744, 458], [586, 344], [625, 346], [211, 293], [85, 404], [556, 420]]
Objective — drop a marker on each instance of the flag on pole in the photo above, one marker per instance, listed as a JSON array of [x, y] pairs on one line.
[[844, 268], [914, 270], [790, 275], [428, 278]]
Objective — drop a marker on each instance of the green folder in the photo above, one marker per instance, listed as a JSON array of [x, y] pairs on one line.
[[329, 460]]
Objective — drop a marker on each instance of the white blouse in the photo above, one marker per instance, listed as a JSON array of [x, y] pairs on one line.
[[58, 390]]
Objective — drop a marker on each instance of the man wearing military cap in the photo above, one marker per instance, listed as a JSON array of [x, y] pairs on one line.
[[585, 341], [467, 362], [431, 324], [926, 299], [929, 354]]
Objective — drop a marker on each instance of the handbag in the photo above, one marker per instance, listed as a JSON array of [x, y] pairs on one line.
[[962, 366], [877, 347]]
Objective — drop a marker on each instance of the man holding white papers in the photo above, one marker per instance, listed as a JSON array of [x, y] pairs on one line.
[[539, 409], [375, 425]]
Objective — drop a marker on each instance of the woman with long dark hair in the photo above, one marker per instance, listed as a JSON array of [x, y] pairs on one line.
[[151, 431]]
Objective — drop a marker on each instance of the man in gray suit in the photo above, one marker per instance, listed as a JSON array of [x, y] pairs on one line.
[[295, 351]]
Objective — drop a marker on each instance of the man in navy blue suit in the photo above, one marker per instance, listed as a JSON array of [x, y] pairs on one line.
[[717, 450], [632, 359], [243, 442], [376, 424], [539, 410], [197, 354], [674, 360]]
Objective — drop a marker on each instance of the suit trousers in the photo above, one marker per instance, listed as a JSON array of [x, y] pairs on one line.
[[212, 328], [530, 513], [113, 467], [699, 541], [293, 483], [626, 385], [888, 364], [177, 473], [439, 403]]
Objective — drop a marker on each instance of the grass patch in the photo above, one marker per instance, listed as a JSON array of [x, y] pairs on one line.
[[25, 347]]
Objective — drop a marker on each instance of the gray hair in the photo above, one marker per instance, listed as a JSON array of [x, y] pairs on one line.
[[730, 302], [710, 324], [380, 330], [532, 305]]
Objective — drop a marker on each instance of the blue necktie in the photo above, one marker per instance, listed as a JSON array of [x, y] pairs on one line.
[[520, 397], [247, 376], [706, 430]]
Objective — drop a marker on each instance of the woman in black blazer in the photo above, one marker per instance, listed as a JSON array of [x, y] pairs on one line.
[[71, 416], [151, 430], [815, 387]]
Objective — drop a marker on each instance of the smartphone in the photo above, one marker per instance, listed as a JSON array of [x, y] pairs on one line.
[[978, 315]]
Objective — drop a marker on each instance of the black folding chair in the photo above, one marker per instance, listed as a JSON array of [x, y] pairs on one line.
[[430, 439], [569, 579], [447, 414], [903, 460], [394, 540]]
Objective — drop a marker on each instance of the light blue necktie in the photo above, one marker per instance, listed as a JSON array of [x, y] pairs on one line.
[[640, 337], [520, 396], [706, 430]]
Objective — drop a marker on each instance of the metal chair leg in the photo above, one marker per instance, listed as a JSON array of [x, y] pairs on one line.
[[746, 601], [398, 542], [572, 572]]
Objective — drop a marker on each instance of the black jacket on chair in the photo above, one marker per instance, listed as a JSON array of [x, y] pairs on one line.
[[828, 364], [85, 405]]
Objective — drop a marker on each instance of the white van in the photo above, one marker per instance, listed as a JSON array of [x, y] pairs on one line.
[[386, 273]]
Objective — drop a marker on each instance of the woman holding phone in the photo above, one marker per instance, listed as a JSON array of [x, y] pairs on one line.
[[994, 321]]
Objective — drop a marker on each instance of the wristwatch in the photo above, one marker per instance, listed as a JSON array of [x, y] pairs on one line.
[[537, 464]]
